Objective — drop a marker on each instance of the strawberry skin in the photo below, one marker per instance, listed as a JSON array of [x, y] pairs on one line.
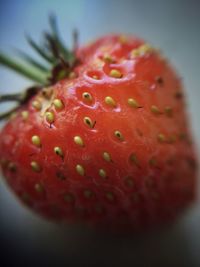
[[110, 147]]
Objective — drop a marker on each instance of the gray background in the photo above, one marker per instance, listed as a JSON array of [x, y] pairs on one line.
[[174, 27]]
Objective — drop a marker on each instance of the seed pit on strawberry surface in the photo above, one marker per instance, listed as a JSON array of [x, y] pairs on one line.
[[79, 141], [161, 138], [35, 166], [119, 135], [49, 117], [159, 80], [87, 97], [89, 122], [153, 162], [88, 194], [106, 156], [178, 95], [168, 111], [36, 141], [107, 58], [110, 101], [133, 159], [114, 71], [47, 92], [102, 173], [37, 105], [12, 167], [25, 115], [39, 188], [129, 182], [133, 103], [72, 75], [60, 175], [69, 198], [80, 170], [155, 110], [110, 197], [58, 104], [139, 132], [94, 74], [58, 151]]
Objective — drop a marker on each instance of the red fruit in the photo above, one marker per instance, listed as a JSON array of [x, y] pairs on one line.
[[109, 146]]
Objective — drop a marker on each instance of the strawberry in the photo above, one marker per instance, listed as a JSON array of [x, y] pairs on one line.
[[104, 139]]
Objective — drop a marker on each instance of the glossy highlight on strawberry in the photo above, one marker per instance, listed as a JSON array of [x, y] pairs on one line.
[[108, 145]]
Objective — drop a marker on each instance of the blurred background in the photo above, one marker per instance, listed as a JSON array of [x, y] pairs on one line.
[[173, 26]]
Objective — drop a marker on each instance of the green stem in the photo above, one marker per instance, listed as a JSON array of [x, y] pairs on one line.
[[32, 61], [39, 50], [14, 97], [26, 71]]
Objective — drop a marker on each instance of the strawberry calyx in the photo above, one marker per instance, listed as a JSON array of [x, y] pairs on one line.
[[60, 63]]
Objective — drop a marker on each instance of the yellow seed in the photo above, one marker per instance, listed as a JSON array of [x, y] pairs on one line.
[[49, 117], [115, 73], [58, 104], [102, 173], [72, 75], [161, 138], [110, 196], [58, 151], [88, 122], [133, 103], [87, 97], [88, 193], [135, 53], [107, 58], [47, 92], [145, 48], [80, 170], [153, 162], [110, 101], [172, 139], [129, 182], [35, 166], [134, 159], [37, 105], [69, 198], [169, 111], [39, 188], [141, 50], [36, 140], [12, 166], [123, 39], [95, 77], [25, 115], [106, 156], [119, 135], [155, 109], [78, 140]]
